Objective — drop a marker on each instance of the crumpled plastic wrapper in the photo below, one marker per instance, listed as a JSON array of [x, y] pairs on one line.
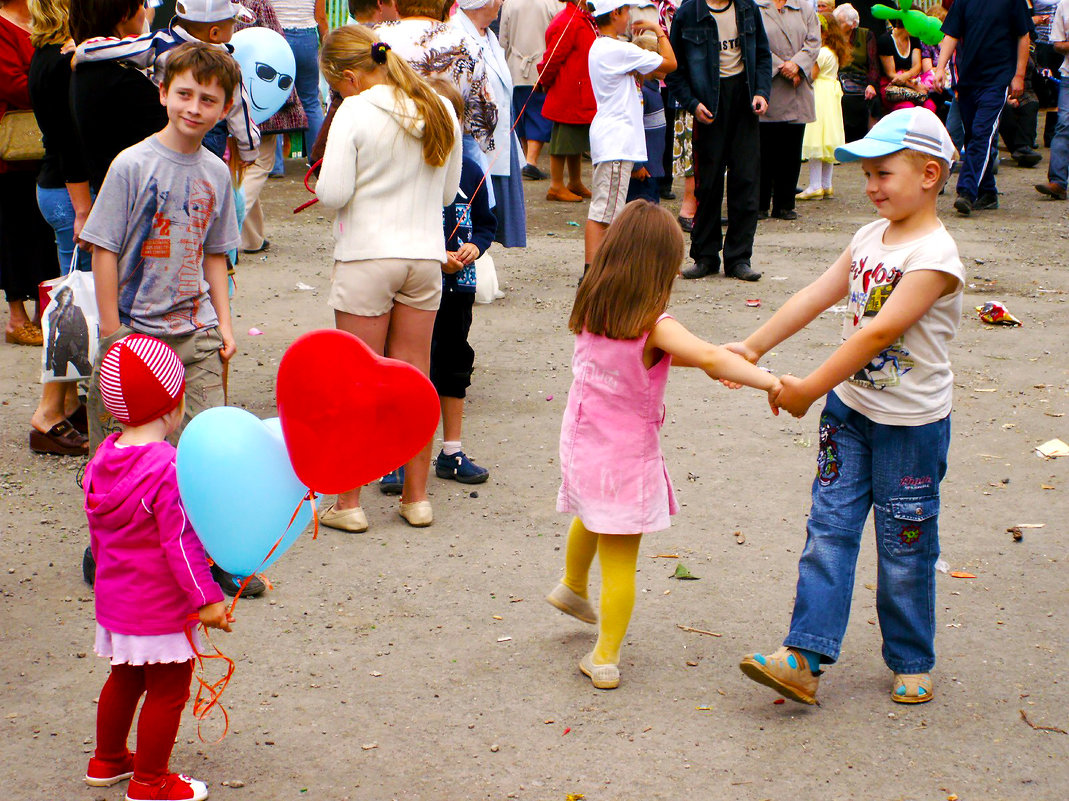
[[995, 313]]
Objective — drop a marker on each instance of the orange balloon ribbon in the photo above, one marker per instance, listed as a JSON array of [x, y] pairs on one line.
[[209, 692]]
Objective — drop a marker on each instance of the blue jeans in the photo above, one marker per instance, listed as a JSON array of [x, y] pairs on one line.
[[56, 208], [896, 471], [305, 45], [1058, 169], [981, 107]]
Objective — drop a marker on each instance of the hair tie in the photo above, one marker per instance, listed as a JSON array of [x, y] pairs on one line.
[[378, 52]]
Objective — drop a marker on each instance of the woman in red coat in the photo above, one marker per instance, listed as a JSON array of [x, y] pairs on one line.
[[569, 99]]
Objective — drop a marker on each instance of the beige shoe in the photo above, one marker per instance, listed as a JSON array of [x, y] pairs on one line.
[[571, 603], [353, 520], [829, 193], [785, 671], [912, 688], [603, 677], [417, 513]]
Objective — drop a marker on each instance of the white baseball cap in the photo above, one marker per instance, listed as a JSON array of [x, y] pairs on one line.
[[212, 11], [600, 7], [906, 129]]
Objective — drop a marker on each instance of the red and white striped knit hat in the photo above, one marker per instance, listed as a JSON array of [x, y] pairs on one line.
[[141, 379]]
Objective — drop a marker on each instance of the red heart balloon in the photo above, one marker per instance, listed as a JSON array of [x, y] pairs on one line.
[[349, 415]]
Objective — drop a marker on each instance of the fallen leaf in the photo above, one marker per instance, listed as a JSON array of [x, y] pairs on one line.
[[683, 574], [369, 746], [779, 701], [961, 574], [665, 556]]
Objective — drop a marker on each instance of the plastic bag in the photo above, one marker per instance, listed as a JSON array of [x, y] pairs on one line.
[[486, 285], [70, 324]]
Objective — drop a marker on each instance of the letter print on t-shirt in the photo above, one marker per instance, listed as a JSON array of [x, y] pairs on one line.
[[870, 288]]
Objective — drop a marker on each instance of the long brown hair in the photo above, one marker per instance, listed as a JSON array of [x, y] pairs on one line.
[[349, 48], [835, 37], [628, 285]]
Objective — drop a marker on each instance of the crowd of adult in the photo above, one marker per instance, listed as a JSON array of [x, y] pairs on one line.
[[740, 100]]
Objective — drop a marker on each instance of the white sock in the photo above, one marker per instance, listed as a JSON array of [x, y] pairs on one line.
[[826, 169], [814, 175], [450, 448]]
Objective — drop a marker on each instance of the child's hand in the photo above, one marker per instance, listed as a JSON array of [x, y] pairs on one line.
[[745, 351], [773, 396], [792, 396], [640, 25], [452, 264], [215, 616], [467, 253], [230, 347]]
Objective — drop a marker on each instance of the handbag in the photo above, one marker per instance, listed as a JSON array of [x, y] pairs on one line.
[[70, 326], [20, 136], [852, 83], [903, 94]]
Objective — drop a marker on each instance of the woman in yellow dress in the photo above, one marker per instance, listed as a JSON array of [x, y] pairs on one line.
[[826, 133]]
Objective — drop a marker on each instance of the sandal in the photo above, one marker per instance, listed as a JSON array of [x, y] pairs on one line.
[[61, 439], [79, 418], [603, 677], [912, 688], [785, 671], [25, 334]]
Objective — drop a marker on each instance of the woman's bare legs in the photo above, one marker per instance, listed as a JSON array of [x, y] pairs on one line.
[[372, 332], [409, 340]]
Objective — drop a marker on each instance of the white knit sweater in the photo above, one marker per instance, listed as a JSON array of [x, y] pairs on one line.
[[389, 200]]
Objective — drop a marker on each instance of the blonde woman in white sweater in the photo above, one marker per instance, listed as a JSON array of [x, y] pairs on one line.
[[392, 162]]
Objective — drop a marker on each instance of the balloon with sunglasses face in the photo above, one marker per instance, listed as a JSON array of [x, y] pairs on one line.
[[267, 70]]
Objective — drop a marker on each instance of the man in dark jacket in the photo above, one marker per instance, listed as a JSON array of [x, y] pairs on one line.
[[723, 79]]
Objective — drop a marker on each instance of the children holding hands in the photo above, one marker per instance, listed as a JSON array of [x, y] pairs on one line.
[[152, 573], [885, 427]]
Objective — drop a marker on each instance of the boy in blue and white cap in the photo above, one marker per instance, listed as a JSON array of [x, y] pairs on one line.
[[885, 428], [209, 21]]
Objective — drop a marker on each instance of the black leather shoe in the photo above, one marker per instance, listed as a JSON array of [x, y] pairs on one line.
[[986, 201], [762, 215], [532, 173], [231, 584], [963, 205], [785, 214], [667, 193], [1027, 157], [701, 268], [743, 272]]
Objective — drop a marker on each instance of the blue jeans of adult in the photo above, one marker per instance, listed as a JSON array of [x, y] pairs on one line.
[[305, 45], [981, 107], [58, 211], [896, 471], [1058, 169]]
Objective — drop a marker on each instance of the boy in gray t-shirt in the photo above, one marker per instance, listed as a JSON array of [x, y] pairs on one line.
[[160, 226]]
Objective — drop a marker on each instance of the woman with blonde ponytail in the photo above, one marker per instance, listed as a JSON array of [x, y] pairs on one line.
[[392, 163]]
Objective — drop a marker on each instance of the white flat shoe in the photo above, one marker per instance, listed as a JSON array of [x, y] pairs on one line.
[[603, 677], [571, 603], [417, 514], [353, 520]]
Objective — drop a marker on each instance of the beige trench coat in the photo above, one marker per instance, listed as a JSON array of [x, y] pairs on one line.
[[793, 35]]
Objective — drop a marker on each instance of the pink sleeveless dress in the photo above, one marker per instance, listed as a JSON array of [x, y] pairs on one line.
[[613, 473]]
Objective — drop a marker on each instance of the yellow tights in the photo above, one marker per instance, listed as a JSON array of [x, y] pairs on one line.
[[618, 555]]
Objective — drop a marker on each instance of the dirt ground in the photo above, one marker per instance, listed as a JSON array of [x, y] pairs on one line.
[[424, 664]]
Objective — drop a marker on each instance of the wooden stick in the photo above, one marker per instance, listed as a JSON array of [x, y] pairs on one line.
[[1024, 717], [698, 631]]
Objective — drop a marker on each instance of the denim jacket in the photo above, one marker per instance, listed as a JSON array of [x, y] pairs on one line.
[[696, 43]]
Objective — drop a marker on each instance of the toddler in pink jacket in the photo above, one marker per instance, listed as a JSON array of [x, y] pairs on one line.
[[152, 573]]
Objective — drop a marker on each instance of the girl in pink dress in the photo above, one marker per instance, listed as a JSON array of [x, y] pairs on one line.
[[614, 477], [152, 573]]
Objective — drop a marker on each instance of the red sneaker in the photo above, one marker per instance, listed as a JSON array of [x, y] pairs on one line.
[[106, 772], [172, 787]]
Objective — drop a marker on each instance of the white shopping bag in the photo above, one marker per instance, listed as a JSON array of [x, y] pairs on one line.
[[486, 286], [70, 324]]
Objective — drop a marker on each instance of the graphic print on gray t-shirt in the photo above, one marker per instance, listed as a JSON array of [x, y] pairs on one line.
[[161, 211]]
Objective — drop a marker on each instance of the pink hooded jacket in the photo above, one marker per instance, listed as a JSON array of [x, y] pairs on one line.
[[152, 572]]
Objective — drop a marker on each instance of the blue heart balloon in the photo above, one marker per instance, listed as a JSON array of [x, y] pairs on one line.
[[239, 488], [267, 70]]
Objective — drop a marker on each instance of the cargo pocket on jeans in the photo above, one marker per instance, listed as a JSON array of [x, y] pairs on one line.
[[909, 524]]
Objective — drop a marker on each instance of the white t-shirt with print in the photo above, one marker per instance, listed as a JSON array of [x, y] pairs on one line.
[[910, 382], [727, 28], [616, 133]]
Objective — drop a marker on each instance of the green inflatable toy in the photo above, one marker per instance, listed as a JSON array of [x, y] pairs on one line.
[[917, 23]]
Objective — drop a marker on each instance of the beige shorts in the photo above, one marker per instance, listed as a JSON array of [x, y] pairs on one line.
[[609, 193], [369, 287]]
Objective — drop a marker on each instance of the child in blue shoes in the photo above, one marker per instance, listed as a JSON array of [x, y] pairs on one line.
[[885, 428], [470, 226]]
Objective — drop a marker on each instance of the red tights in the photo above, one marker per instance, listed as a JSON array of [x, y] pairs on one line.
[[166, 690]]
